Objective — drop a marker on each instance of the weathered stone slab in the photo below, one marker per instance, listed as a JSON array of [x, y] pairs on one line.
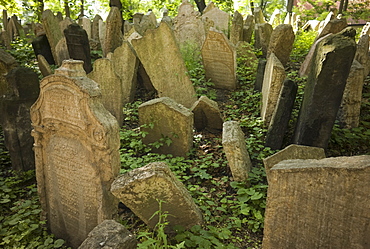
[[248, 28], [168, 119], [258, 16], [235, 148], [113, 31], [272, 82], [281, 115], [7, 63], [362, 53], [207, 115], [111, 87], [236, 30], [61, 51], [260, 74], [64, 24], [318, 204], [324, 89], [219, 17], [109, 234], [76, 149], [53, 32], [162, 60], [78, 45], [86, 25], [142, 188], [166, 18], [219, 60], [41, 46], [334, 26], [43, 65], [95, 28], [262, 35], [350, 107], [23, 90], [330, 16], [5, 19], [281, 42], [102, 31], [126, 64]]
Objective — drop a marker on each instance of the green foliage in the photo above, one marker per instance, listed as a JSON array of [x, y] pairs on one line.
[[302, 45]]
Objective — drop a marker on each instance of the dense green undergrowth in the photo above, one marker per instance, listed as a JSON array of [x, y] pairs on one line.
[[233, 211]]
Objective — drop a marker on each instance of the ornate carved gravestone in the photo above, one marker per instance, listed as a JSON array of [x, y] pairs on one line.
[[219, 59], [76, 149]]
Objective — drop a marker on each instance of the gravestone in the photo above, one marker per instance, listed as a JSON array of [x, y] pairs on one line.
[[219, 17], [281, 42], [207, 115], [349, 110], [53, 32], [272, 82], [258, 16], [64, 24], [281, 115], [5, 19], [334, 26], [219, 60], [260, 74], [23, 90], [109, 234], [111, 87], [78, 45], [188, 26], [160, 55], [43, 65], [7, 63], [76, 149], [262, 35], [362, 53], [324, 89], [41, 46], [275, 18], [5, 39], [163, 118], [248, 28], [166, 18], [86, 25], [61, 51], [113, 31], [141, 189], [235, 148], [95, 28], [102, 31], [126, 64], [148, 21], [330, 16], [318, 204], [236, 30]]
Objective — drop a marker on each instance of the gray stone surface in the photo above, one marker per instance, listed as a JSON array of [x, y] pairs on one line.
[[281, 42], [260, 74], [113, 31], [236, 29], [248, 28], [334, 26], [362, 53], [219, 17], [41, 46], [52, 30], [142, 188], [207, 115], [262, 35], [318, 204], [43, 65]]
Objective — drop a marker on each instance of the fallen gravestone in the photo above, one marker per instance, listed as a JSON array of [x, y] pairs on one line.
[[154, 187], [207, 115], [76, 150]]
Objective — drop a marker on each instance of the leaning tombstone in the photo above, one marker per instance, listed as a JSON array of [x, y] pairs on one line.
[[61, 51], [236, 30], [41, 46], [154, 187], [95, 28], [219, 60], [23, 90], [262, 35], [281, 42], [362, 53], [109, 234], [258, 16], [260, 74], [43, 65], [52, 30], [272, 82], [78, 45], [281, 115], [235, 148], [76, 149], [5, 19], [207, 115], [102, 30], [160, 55], [248, 28], [334, 26], [164, 118], [113, 31], [110, 85], [219, 17], [324, 88], [86, 25], [318, 204]]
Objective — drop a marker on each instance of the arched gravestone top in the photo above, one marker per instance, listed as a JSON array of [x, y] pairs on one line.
[[76, 149]]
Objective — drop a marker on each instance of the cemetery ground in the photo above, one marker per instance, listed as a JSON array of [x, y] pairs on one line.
[[233, 211]]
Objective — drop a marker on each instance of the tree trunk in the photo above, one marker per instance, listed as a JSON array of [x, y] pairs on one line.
[[340, 11], [345, 6], [289, 6], [201, 5], [66, 9], [40, 9], [82, 9]]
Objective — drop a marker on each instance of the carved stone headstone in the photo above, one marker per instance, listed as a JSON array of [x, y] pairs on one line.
[[281, 42], [272, 82], [235, 148], [53, 32], [110, 85], [86, 25], [262, 35], [142, 188], [23, 90], [219, 17], [166, 118], [78, 45], [76, 149], [318, 204], [41, 46], [113, 31], [160, 55], [207, 115], [219, 60], [324, 88], [236, 30]]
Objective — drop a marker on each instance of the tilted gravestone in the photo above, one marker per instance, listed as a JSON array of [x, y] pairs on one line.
[[281, 42], [349, 110], [262, 35], [43, 65], [78, 45], [219, 17], [23, 90], [362, 53], [110, 85], [7, 63], [236, 30], [113, 31], [164, 118], [126, 64], [318, 204], [235, 148], [219, 60], [160, 55], [76, 149], [207, 115], [334, 26], [61, 51], [258, 16], [272, 82], [86, 25], [109, 234], [141, 189], [248, 28], [65, 23], [260, 74], [41, 46], [324, 88]]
